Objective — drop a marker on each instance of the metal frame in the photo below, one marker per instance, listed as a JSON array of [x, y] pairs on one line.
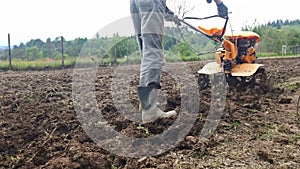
[[198, 30]]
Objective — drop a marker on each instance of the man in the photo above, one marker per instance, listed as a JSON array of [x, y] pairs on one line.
[[148, 19]]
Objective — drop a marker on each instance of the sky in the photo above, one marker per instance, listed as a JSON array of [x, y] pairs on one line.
[[41, 19]]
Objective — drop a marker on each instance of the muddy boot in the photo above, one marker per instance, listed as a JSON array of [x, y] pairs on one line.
[[148, 97]]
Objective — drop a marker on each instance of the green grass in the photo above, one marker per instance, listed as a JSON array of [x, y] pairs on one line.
[[34, 65], [41, 64], [266, 55]]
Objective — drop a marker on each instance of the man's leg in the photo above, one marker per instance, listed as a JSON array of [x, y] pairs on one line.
[[152, 25]]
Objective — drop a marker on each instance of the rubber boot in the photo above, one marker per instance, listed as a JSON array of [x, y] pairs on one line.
[[148, 97]]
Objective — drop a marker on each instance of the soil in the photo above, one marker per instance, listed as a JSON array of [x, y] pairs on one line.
[[39, 127]]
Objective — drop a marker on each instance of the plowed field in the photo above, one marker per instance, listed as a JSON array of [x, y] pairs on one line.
[[39, 127]]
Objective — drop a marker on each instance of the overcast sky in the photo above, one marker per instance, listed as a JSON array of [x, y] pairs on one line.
[[32, 19]]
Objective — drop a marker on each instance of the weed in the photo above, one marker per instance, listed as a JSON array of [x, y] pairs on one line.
[[201, 156], [233, 126], [114, 167], [13, 158], [266, 136], [144, 129]]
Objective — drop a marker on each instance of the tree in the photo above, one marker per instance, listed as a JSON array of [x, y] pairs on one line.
[[19, 53], [180, 7], [33, 53], [184, 50], [251, 27], [35, 42]]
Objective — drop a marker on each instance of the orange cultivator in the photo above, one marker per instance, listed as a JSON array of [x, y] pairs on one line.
[[235, 57]]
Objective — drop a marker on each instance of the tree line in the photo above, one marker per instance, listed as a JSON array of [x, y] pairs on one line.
[[37, 49], [276, 34], [114, 47], [183, 42]]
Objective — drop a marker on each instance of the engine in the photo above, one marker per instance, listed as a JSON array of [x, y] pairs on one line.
[[237, 49]]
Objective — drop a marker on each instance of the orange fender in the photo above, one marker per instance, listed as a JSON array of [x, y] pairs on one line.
[[231, 50], [245, 69]]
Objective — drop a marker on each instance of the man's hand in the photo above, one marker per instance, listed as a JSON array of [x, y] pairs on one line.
[[176, 20], [173, 18], [222, 10], [170, 16]]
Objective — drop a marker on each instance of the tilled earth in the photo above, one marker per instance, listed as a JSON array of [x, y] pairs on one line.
[[40, 127]]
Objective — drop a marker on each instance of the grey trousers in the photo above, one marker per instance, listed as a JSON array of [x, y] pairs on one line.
[[148, 20]]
